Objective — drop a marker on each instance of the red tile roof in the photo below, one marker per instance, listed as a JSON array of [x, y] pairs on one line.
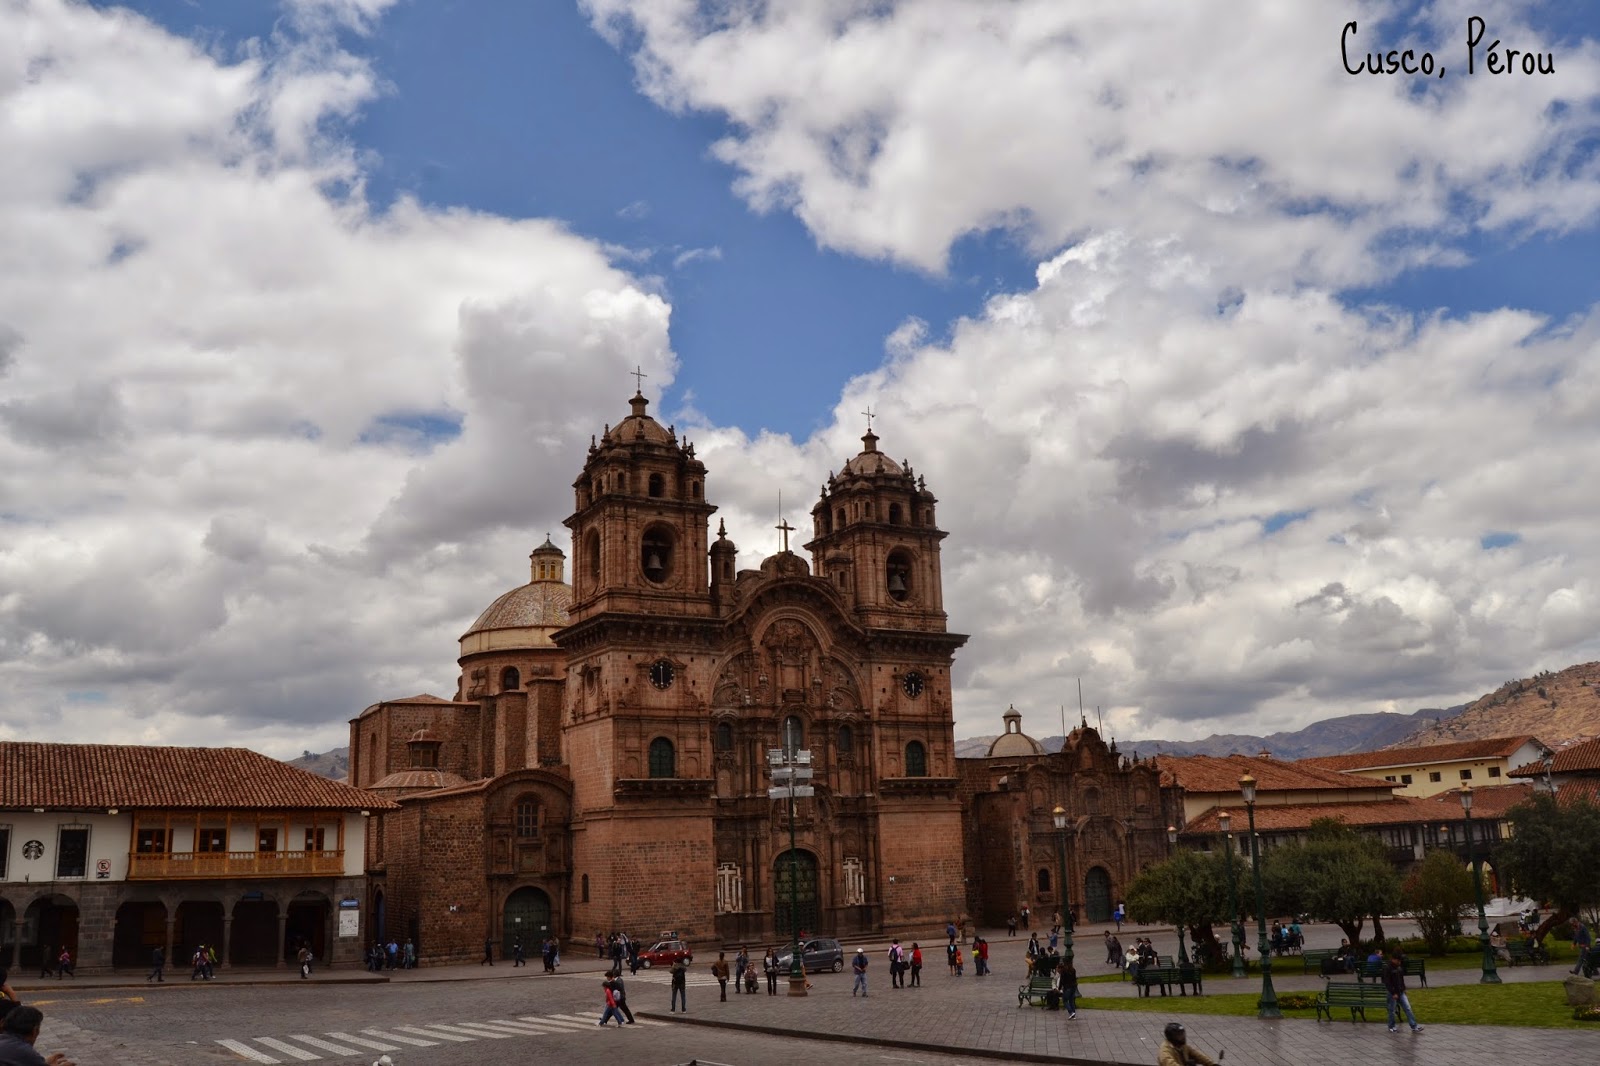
[[1207, 773], [86, 776], [1579, 758], [1400, 810], [424, 699], [1490, 801], [1493, 748]]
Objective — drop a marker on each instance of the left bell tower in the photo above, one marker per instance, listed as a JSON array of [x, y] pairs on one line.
[[639, 524]]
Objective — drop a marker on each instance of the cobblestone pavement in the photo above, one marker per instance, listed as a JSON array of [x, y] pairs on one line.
[[527, 1016]]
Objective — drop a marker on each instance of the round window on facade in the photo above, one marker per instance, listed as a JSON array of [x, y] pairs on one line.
[[655, 555]]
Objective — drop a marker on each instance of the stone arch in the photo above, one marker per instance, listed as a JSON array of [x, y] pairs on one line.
[[140, 926]]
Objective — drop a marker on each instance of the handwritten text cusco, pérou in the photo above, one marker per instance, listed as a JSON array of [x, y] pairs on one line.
[[1494, 57]]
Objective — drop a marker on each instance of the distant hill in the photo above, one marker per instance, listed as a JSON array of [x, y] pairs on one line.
[[333, 764], [1332, 736], [1560, 708]]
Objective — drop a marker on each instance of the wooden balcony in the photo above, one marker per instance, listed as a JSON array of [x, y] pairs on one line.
[[176, 865]]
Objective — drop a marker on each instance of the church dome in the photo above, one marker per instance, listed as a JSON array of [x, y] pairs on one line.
[[639, 426], [538, 603], [1014, 742], [871, 461]]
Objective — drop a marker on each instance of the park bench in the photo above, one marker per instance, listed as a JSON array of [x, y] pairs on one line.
[[1164, 977], [1521, 951], [1037, 987], [1417, 968], [1313, 958], [1356, 995]]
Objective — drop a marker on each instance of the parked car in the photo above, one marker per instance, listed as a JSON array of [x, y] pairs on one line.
[[665, 953], [819, 954]]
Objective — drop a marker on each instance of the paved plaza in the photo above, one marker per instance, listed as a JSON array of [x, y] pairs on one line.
[[443, 1015]]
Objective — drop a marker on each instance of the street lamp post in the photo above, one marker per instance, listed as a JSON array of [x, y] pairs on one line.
[[1183, 932], [790, 766], [1267, 1006], [1059, 815], [1236, 930], [1491, 975]]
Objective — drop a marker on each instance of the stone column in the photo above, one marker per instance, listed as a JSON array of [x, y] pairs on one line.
[[227, 938], [172, 922], [283, 934]]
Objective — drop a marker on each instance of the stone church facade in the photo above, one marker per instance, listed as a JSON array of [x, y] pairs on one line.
[[603, 763]]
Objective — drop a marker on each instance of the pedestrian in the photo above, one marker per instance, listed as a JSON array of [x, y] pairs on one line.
[[916, 965], [1175, 1051], [1025, 914], [1033, 950], [1394, 981], [599, 945], [64, 964], [158, 963], [1011, 926], [960, 962], [306, 959], [1113, 949], [769, 966], [896, 962], [1119, 916], [408, 955], [488, 951], [741, 963], [858, 966], [633, 956], [19, 1032], [950, 958], [950, 931], [719, 970], [1068, 983], [1582, 942], [680, 985], [620, 994], [1055, 938], [518, 958], [611, 1010], [980, 951]]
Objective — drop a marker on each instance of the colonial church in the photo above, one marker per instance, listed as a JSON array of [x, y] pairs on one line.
[[603, 764]]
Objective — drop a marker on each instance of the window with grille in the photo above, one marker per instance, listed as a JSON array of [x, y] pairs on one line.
[[847, 740], [527, 818], [663, 761], [72, 851], [724, 736], [916, 759], [1044, 880]]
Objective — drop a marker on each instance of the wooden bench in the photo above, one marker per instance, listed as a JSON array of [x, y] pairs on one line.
[[1313, 958], [1356, 995], [1164, 977], [1521, 951], [1038, 986], [1417, 968]]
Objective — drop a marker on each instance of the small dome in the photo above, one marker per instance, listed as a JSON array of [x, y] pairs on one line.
[[639, 426], [416, 781], [871, 460], [1013, 742], [538, 603]]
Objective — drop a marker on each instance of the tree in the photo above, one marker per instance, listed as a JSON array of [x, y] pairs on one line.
[[1336, 875], [1439, 893], [1190, 890], [1553, 854]]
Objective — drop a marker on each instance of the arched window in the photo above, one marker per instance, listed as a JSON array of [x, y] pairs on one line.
[[894, 514], [527, 818], [838, 517], [898, 575], [658, 485], [655, 554], [794, 735], [591, 553], [847, 740], [1091, 801], [586, 888], [694, 490], [663, 760], [916, 759], [510, 679], [1044, 880], [723, 738]]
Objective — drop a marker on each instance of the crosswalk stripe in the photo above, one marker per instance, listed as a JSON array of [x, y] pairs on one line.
[[409, 1040], [582, 1019], [288, 1049], [325, 1045], [375, 1045], [441, 1029], [246, 1051], [573, 1019], [492, 1030], [556, 1021], [430, 1032], [525, 1027]]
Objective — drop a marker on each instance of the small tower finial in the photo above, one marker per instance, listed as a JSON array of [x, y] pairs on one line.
[[638, 376], [868, 413]]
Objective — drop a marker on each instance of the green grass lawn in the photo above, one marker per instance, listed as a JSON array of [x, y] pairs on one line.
[[1542, 1004]]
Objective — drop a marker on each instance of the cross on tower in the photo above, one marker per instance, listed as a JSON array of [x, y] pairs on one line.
[[638, 376], [784, 528], [868, 413]]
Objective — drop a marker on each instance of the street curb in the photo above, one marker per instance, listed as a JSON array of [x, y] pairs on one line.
[[878, 1041]]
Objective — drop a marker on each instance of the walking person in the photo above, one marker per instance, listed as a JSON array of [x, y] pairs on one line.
[[305, 961], [950, 931], [741, 963], [980, 955], [64, 964], [896, 964], [769, 966], [680, 986], [719, 970], [620, 994], [1068, 983], [1394, 981], [611, 1010], [1582, 942], [959, 960], [916, 965], [158, 963], [488, 951], [518, 958], [858, 966], [1011, 926], [1113, 950]]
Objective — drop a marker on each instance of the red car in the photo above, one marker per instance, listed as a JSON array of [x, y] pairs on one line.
[[665, 953]]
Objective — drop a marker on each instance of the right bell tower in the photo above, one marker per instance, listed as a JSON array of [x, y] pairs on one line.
[[876, 539]]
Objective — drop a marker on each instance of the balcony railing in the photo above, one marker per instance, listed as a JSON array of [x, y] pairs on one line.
[[167, 865]]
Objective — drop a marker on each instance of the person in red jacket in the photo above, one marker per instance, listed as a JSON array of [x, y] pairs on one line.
[[916, 965]]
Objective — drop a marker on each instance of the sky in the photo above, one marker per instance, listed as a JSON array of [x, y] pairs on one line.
[[1253, 391]]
